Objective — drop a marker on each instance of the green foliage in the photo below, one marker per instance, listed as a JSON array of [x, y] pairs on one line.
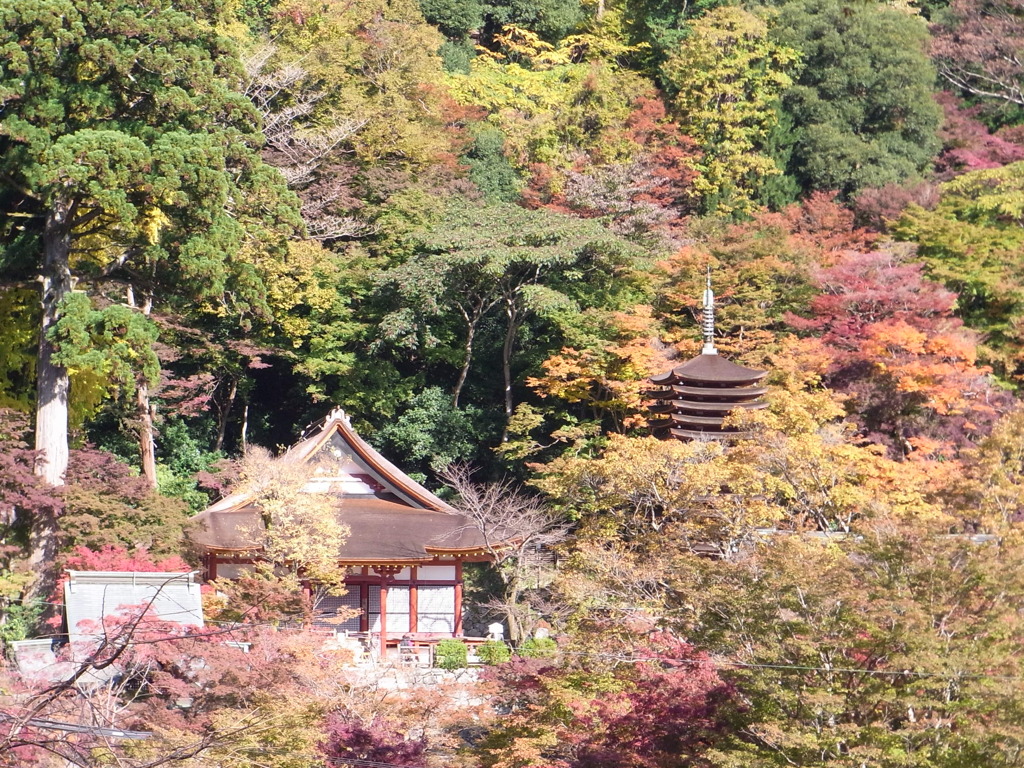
[[110, 347], [724, 81], [537, 648], [451, 654], [551, 19], [429, 433], [490, 170], [183, 488], [550, 107], [866, 611], [106, 504], [19, 308], [453, 17], [862, 106], [493, 652], [456, 56], [19, 621], [129, 168], [658, 27], [371, 61], [972, 242]]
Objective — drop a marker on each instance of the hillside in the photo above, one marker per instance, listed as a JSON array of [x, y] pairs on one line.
[[480, 227]]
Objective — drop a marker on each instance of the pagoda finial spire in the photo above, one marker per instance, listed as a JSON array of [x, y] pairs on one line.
[[708, 324]]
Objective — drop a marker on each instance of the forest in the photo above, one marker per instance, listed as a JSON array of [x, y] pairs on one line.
[[479, 227]]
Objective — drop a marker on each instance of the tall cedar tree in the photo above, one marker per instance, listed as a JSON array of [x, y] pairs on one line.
[[126, 151]]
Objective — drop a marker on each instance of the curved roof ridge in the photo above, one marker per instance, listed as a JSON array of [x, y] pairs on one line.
[[338, 421]]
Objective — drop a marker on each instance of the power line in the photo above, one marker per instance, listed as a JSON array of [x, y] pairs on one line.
[[57, 725]]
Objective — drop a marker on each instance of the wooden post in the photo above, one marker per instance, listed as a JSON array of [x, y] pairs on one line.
[[458, 598], [414, 601], [383, 615]]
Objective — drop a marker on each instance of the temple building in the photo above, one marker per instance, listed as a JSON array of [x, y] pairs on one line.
[[404, 552], [692, 400]]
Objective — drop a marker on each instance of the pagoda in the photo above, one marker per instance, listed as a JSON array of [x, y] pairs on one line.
[[692, 401]]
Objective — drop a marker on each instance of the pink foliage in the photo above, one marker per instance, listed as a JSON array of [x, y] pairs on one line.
[[906, 363], [349, 738], [20, 489], [191, 395], [967, 143], [669, 715], [865, 288], [112, 558], [877, 207], [666, 708], [100, 471]]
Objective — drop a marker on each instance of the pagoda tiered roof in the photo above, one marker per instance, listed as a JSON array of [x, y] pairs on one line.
[[694, 399]]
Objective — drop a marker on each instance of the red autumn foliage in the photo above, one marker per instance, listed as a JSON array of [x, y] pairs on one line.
[[21, 492], [114, 558], [967, 143], [349, 738], [823, 223], [876, 207], [865, 288], [907, 364], [666, 708]]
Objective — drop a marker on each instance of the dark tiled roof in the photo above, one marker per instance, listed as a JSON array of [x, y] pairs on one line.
[[379, 531], [710, 368], [399, 521]]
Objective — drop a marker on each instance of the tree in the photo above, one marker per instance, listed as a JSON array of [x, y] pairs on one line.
[[514, 526], [300, 528], [525, 262], [968, 144], [978, 48], [127, 151], [971, 242], [652, 702], [724, 80], [347, 738], [894, 649], [909, 367], [861, 105]]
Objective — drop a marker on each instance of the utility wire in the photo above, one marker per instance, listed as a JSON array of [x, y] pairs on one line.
[[235, 626]]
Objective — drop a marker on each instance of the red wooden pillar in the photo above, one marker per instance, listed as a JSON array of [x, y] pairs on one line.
[[414, 601], [211, 567], [383, 616], [458, 598]]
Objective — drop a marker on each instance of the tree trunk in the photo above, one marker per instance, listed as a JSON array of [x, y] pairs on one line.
[[506, 361], [52, 386], [466, 360], [222, 426], [144, 409], [52, 383], [245, 429], [147, 442]]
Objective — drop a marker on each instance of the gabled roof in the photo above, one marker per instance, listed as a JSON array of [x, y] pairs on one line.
[[391, 518], [91, 596]]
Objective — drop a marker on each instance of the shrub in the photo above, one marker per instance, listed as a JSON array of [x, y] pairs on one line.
[[451, 654], [538, 647], [494, 652]]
